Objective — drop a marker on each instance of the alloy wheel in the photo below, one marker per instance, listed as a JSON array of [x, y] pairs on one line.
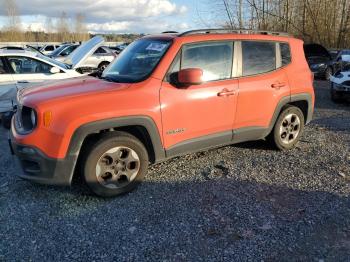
[[117, 167], [290, 128]]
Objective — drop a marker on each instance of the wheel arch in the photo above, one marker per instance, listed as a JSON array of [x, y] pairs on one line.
[[303, 101], [142, 127]]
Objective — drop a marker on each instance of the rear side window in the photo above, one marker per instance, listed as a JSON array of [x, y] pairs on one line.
[[285, 54], [258, 57], [100, 50], [215, 59]]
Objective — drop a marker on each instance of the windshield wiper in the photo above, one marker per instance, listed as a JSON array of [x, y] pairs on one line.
[[109, 79]]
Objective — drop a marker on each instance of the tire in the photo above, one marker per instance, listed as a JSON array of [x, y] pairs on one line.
[[6, 119], [102, 66], [115, 164], [336, 98], [328, 73], [288, 128]]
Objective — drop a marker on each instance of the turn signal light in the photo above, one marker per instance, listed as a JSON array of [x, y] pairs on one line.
[[47, 118]]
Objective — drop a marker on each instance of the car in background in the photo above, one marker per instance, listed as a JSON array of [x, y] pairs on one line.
[[341, 60], [63, 51], [99, 59], [340, 85], [319, 60], [48, 49], [20, 69], [119, 48]]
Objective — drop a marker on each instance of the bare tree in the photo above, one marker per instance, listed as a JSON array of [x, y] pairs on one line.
[[13, 27], [80, 29], [62, 28]]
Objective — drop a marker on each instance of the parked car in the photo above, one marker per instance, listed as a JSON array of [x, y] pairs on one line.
[[340, 85], [100, 59], [164, 96], [319, 60], [342, 60], [48, 49], [63, 51], [121, 47], [21, 69]]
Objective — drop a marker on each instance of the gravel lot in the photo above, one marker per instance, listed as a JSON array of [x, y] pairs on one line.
[[239, 203]]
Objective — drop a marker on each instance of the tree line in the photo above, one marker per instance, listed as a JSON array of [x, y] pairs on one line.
[[315, 21], [61, 29]]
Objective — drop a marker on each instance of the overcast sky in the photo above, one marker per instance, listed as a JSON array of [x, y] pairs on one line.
[[117, 16]]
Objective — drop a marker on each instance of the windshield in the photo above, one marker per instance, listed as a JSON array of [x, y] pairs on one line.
[[137, 61], [52, 61]]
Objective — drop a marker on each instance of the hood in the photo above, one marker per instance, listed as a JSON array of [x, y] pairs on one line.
[[316, 50], [67, 89], [77, 57]]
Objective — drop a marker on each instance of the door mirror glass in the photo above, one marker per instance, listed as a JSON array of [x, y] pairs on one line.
[[54, 70], [190, 76]]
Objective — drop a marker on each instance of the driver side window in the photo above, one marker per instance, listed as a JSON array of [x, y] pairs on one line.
[[214, 58], [26, 65]]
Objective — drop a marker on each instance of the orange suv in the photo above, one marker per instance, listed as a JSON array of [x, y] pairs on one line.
[[164, 96]]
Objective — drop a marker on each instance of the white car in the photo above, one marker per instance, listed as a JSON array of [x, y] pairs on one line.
[[21, 69], [340, 86], [48, 49]]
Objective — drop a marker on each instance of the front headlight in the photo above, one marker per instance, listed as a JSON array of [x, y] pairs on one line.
[[26, 120]]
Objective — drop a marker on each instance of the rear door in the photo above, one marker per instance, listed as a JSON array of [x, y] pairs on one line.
[[8, 89], [262, 85]]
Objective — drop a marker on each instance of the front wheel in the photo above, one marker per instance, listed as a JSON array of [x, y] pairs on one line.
[[115, 165], [288, 128]]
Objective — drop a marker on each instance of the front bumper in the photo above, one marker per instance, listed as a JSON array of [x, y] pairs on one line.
[[39, 168]]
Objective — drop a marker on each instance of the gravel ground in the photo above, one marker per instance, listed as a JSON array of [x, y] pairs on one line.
[[239, 203]]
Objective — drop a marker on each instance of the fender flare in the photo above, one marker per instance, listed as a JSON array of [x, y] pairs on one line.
[[290, 99], [84, 130]]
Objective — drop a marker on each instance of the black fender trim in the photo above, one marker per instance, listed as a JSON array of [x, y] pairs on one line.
[[83, 131]]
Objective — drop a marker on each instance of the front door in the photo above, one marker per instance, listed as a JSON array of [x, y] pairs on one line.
[[199, 116]]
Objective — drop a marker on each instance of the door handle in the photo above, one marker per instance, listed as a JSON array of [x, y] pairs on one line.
[[226, 92], [278, 85], [22, 82]]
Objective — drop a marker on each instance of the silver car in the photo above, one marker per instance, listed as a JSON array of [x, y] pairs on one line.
[[100, 59]]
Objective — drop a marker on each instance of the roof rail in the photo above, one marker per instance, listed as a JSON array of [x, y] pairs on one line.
[[170, 32], [235, 31]]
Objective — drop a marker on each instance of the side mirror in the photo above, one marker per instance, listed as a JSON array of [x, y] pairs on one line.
[[54, 70], [190, 76]]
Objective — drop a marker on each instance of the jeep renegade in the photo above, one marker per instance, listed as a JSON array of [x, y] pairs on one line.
[[164, 96]]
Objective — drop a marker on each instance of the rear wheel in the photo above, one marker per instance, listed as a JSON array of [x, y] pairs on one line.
[[115, 165], [288, 128]]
